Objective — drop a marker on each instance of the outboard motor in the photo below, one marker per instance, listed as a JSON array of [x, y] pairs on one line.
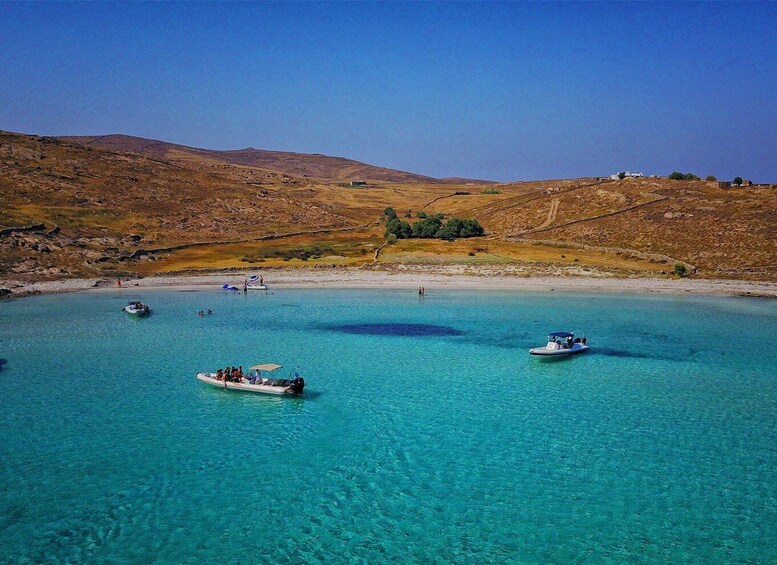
[[297, 385]]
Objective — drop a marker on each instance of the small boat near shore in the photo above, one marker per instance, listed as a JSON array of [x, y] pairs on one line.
[[255, 282], [230, 287], [137, 308], [259, 380], [561, 344]]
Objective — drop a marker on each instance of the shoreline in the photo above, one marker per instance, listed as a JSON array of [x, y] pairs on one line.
[[400, 278]]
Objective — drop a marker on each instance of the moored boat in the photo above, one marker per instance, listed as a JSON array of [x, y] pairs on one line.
[[259, 380], [137, 308], [255, 282], [561, 344]]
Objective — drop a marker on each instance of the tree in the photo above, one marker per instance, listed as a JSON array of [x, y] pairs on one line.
[[428, 227], [738, 181], [680, 269], [471, 228], [680, 176], [451, 229], [390, 213], [711, 178], [398, 228], [421, 215], [621, 175]]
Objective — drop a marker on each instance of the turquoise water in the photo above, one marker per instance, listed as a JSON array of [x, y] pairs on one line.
[[427, 433]]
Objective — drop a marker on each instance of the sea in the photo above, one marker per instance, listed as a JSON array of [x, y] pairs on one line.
[[427, 433]]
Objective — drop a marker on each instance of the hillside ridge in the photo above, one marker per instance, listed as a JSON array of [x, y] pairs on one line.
[[306, 165]]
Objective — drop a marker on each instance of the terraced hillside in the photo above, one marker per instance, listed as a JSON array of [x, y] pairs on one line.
[[730, 232], [74, 209]]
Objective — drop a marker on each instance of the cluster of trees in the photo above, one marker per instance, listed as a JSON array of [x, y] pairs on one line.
[[431, 227], [683, 176], [690, 176]]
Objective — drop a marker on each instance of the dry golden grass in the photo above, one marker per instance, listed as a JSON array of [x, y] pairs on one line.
[[493, 251], [177, 196]]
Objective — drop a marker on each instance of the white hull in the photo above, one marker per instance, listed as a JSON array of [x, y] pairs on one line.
[[210, 378], [136, 312], [256, 286], [544, 351]]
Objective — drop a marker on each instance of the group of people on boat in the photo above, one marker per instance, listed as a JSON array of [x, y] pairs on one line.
[[139, 306], [235, 375], [230, 374], [567, 344]]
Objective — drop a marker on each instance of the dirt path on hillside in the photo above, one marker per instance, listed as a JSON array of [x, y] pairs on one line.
[[551, 214], [545, 227]]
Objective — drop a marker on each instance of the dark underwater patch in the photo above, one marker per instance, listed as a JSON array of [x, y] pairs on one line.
[[2, 362], [402, 330]]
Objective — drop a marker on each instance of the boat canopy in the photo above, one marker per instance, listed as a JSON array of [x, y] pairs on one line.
[[265, 367], [561, 334], [253, 278]]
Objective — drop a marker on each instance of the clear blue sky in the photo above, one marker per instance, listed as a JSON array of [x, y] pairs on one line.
[[503, 91]]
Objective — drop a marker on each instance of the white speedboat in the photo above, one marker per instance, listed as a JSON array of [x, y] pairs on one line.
[[137, 308], [252, 286], [258, 380], [561, 344]]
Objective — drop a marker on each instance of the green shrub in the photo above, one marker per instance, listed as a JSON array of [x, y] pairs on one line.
[[711, 178], [680, 176], [428, 227], [390, 213], [738, 181], [680, 269], [398, 228], [491, 191], [421, 214], [391, 239]]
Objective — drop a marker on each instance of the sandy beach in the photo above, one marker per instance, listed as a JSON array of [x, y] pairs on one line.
[[432, 277]]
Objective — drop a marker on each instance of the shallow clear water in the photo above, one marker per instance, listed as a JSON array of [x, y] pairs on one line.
[[427, 433]]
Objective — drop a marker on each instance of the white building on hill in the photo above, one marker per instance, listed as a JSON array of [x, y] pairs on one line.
[[626, 175]]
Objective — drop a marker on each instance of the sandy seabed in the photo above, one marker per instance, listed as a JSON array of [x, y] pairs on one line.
[[432, 278]]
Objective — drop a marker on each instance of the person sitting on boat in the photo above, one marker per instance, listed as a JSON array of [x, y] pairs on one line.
[[240, 374], [235, 375], [569, 342], [583, 341], [219, 375]]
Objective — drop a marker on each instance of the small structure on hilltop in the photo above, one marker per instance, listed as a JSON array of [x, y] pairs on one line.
[[738, 183], [358, 183], [626, 175]]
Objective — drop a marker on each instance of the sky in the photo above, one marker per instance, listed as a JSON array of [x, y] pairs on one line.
[[497, 91]]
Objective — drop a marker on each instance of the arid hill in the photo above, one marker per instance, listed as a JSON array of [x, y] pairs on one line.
[[318, 167], [78, 209], [101, 208]]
